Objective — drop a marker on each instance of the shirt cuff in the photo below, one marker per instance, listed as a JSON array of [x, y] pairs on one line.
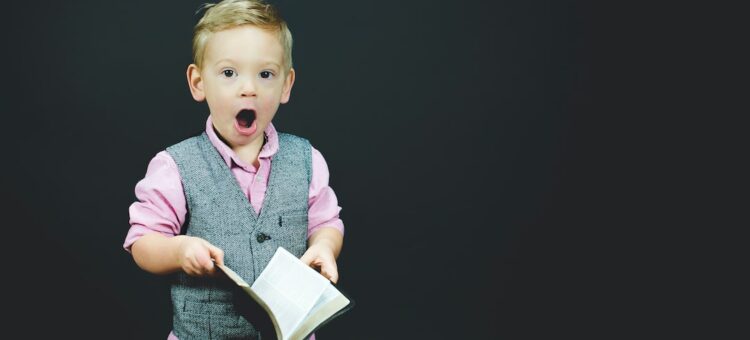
[[137, 231], [335, 223]]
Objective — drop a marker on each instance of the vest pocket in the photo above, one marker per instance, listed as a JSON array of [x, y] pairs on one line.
[[287, 221], [211, 320], [293, 232]]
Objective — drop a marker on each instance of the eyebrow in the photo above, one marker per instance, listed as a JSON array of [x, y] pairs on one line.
[[273, 63], [233, 62], [224, 60]]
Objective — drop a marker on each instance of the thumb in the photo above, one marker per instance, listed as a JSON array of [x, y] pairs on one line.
[[330, 271], [216, 254]]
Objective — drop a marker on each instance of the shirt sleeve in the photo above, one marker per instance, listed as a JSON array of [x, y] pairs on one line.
[[323, 207], [160, 201]]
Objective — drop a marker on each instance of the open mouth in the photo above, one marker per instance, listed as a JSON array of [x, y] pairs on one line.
[[245, 118]]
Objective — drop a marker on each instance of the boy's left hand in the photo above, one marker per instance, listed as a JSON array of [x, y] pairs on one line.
[[320, 257]]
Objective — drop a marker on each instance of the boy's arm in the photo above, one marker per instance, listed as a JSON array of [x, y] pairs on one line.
[[159, 254], [325, 228], [324, 246], [156, 220]]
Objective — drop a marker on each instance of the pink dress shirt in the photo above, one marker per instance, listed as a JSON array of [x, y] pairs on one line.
[[161, 205]]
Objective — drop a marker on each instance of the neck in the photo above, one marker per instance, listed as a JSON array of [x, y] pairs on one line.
[[248, 153]]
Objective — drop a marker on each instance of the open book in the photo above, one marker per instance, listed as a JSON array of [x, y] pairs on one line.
[[297, 298]]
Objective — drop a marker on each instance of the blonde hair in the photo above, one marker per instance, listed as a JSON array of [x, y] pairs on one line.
[[233, 13]]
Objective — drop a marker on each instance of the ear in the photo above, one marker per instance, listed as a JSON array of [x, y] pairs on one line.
[[195, 82], [286, 92]]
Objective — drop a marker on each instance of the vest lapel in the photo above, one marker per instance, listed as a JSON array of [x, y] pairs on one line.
[[234, 191]]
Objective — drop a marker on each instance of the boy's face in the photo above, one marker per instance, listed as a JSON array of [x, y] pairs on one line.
[[243, 81]]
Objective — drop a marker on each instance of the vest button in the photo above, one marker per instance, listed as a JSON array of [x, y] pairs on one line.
[[262, 237]]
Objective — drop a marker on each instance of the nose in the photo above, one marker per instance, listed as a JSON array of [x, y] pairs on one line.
[[247, 88]]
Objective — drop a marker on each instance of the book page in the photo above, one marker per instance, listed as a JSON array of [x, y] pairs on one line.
[[246, 287], [290, 289], [328, 295], [330, 302]]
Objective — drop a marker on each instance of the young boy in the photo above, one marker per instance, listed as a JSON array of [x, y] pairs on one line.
[[239, 190]]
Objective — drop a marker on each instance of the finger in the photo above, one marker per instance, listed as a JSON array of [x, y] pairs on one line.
[[203, 261], [217, 254], [192, 267], [330, 271], [307, 258]]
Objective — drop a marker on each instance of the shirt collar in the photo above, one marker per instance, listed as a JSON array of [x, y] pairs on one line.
[[229, 156]]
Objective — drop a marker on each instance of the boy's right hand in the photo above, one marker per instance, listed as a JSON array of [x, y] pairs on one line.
[[196, 256]]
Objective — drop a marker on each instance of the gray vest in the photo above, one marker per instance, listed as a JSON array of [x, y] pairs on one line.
[[219, 212]]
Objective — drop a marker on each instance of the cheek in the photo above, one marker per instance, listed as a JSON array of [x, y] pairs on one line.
[[221, 112], [269, 108], [269, 103]]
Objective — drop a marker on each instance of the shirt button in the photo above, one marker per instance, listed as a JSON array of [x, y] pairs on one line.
[[262, 237]]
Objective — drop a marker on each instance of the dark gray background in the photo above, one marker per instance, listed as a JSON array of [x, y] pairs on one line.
[[503, 167]]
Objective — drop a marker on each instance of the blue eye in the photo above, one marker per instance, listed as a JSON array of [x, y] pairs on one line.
[[266, 74], [228, 73]]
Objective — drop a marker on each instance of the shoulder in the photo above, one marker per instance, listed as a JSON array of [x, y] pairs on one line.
[[187, 145], [315, 155], [290, 139], [163, 161], [162, 173], [291, 146]]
